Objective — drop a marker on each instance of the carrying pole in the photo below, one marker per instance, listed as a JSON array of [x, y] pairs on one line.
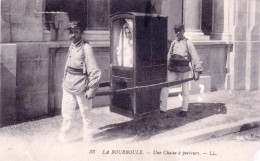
[[142, 88]]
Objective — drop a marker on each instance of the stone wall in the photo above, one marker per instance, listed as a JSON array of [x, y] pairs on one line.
[[244, 60], [173, 10], [8, 57], [253, 47], [214, 55], [21, 20], [32, 80]]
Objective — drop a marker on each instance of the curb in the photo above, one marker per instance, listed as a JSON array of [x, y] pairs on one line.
[[209, 133]]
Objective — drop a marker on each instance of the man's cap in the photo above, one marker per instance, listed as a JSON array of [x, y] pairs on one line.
[[178, 26], [76, 25]]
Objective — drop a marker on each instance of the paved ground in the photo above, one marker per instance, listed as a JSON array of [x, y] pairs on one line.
[[37, 140], [241, 146]]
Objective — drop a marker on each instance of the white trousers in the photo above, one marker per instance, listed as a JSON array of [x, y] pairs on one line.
[[174, 76], [68, 109]]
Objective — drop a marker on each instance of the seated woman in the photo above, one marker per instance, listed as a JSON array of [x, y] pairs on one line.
[[125, 47]]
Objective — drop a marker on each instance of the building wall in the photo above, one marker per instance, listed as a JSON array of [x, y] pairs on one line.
[[8, 58], [214, 56], [21, 21], [244, 60], [32, 80]]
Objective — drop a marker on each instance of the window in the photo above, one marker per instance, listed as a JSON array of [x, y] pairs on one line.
[[123, 42], [95, 13]]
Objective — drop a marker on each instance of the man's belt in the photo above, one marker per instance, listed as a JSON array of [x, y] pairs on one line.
[[75, 71], [180, 63], [178, 60]]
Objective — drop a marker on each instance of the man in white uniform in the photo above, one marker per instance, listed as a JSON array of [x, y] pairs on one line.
[[181, 53], [81, 80]]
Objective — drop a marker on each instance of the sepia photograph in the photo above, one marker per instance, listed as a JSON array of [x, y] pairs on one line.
[[130, 80]]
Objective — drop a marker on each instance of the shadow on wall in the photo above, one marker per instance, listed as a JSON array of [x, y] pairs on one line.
[[7, 87], [145, 128]]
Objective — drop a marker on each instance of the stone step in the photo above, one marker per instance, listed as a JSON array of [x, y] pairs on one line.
[[201, 85]]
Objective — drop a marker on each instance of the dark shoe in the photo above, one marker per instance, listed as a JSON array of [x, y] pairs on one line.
[[182, 113], [162, 112]]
